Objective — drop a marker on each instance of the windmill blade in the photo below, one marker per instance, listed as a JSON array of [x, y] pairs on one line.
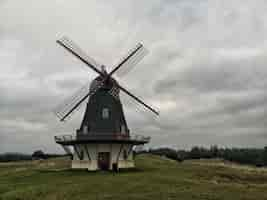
[[62, 109], [131, 59], [133, 108], [79, 53], [115, 92], [138, 100], [73, 103]]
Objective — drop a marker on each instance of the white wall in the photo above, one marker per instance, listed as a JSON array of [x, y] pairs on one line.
[[94, 149]]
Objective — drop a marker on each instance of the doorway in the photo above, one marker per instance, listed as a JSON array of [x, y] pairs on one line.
[[103, 160]]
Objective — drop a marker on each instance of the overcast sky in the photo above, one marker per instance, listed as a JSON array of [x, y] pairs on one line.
[[206, 71]]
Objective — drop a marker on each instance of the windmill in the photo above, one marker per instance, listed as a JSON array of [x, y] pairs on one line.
[[103, 141]]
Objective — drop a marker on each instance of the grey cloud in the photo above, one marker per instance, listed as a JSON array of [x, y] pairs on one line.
[[205, 71], [224, 76]]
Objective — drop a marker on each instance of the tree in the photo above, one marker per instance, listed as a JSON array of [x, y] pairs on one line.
[[214, 151], [264, 156], [39, 154]]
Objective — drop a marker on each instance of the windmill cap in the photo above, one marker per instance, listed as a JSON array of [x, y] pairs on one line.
[[109, 84]]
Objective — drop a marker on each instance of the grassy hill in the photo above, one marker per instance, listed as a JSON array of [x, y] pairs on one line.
[[154, 178]]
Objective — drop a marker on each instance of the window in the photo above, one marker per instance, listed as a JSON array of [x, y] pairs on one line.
[[123, 129], [105, 113], [85, 129]]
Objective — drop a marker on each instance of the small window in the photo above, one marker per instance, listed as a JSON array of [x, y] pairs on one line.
[[85, 129], [123, 129], [105, 113]]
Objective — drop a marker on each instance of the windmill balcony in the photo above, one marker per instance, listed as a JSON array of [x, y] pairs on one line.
[[97, 138]]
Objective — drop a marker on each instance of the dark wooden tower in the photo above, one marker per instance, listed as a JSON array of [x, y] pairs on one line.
[[104, 113]]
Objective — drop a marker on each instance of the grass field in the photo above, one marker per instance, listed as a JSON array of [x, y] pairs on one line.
[[155, 178]]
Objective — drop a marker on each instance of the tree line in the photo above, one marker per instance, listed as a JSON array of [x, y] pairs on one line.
[[39, 154], [251, 156]]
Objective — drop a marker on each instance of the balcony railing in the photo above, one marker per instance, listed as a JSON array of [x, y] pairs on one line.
[[140, 138], [65, 138], [73, 137]]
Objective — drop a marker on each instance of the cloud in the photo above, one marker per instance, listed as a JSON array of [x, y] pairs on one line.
[[205, 72]]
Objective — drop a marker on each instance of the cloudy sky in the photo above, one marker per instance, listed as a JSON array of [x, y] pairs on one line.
[[206, 71]]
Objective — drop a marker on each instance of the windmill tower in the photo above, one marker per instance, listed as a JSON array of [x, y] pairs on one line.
[[103, 140]]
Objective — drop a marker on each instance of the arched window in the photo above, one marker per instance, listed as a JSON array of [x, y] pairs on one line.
[[85, 129], [123, 129], [105, 113]]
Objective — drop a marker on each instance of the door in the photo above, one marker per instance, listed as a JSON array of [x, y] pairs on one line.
[[103, 160]]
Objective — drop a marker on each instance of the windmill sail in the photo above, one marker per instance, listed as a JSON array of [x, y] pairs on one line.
[[133, 107], [74, 102], [134, 56], [115, 92], [137, 99], [125, 65], [61, 110], [79, 53]]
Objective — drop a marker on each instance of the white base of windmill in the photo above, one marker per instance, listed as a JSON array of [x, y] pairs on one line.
[[96, 153], [93, 166], [93, 156]]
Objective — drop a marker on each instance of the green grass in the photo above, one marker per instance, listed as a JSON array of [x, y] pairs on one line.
[[155, 178]]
